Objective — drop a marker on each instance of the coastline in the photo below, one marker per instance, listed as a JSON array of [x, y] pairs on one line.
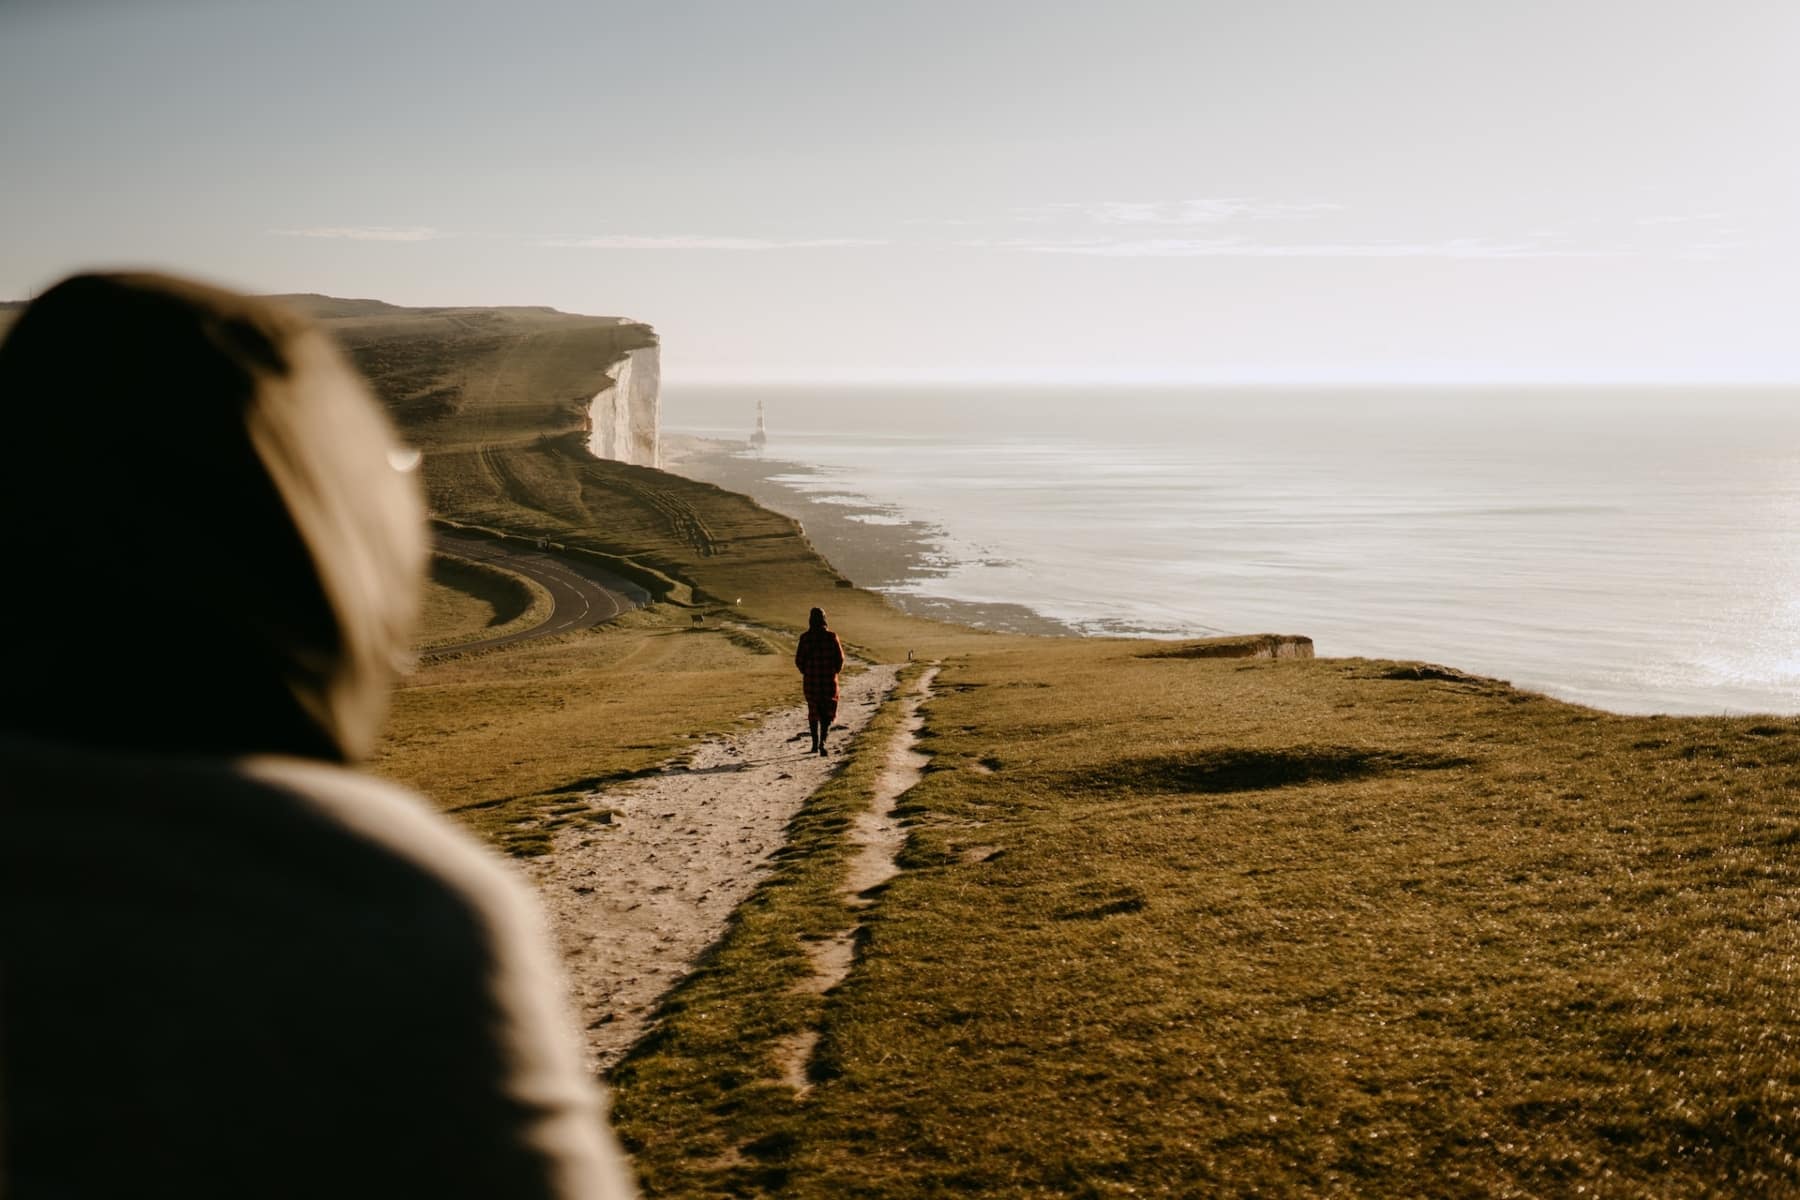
[[874, 545]]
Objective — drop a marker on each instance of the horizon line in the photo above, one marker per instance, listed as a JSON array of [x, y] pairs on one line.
[[1085, 376]]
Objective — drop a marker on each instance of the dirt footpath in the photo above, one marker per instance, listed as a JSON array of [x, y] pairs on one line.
[[633, 903]]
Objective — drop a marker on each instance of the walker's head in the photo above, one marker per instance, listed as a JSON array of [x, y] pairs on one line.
[[816, 618]]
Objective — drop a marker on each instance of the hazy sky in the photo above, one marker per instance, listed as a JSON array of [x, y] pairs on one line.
[[1316, 189]]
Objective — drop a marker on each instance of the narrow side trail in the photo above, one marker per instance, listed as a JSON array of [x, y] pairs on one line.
[[635, 897], [878, 834], [877, 837]]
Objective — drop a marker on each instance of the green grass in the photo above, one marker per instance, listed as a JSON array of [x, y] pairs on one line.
[[1177, 927]]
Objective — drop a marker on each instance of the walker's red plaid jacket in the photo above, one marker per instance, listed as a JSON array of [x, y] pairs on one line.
[[820, 657]]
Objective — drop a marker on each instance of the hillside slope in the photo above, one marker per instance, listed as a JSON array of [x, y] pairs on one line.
[[497, 398]]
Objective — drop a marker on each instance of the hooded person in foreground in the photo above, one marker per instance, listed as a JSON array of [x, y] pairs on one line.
[[229, 964]]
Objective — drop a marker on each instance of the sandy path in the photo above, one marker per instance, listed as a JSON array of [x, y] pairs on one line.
[[634, 902]]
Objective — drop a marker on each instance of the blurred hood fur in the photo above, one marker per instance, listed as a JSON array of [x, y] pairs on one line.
[[217, 540]]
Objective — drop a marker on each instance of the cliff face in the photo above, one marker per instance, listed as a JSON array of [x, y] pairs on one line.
[[455, 378], [625, 417]]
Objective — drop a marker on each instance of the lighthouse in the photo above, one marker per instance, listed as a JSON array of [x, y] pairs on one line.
[[760, 438]]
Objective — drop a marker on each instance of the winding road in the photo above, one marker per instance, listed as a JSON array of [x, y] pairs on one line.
[[582, 595]]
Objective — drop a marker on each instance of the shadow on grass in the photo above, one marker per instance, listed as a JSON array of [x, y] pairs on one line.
[[1130, 902], [1255, 770]]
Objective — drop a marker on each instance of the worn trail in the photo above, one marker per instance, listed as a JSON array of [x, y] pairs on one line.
[[877, 837], [634, 897]]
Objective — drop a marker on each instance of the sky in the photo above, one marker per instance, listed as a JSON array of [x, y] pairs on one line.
[[1286, 190]]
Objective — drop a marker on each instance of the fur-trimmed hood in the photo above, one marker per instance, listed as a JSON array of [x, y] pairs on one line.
[[216, 538]]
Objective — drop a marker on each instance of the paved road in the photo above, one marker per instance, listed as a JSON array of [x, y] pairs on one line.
[[584, 595]]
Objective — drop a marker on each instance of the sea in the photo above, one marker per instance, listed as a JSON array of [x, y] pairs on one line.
[[1635, 550]]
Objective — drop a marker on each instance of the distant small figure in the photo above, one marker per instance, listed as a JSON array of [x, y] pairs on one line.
[[819, 657], [909, 656]]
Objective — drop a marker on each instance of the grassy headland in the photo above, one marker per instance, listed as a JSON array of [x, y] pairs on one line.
[[1182, 927], [1168, 925], [497, 399]]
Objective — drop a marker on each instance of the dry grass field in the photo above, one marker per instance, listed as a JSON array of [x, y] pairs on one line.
[[1168, 925], [504, 739], [496, 398], [1186, 927]]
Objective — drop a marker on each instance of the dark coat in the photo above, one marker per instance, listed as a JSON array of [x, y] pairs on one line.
[[819, 657]]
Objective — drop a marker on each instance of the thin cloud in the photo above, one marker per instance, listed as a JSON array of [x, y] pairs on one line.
[[1209, 211], [1715, 234], [367, 233], [698, 242], [1682, 219], [1238, 248], [1716, 249]]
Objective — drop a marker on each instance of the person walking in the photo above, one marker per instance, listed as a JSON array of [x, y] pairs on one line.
[[819, 657], [231, 964]]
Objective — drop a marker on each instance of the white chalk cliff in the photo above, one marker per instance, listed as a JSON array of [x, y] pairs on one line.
[[625, 417]]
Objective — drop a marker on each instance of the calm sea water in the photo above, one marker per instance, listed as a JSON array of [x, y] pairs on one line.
[[1633, 551]]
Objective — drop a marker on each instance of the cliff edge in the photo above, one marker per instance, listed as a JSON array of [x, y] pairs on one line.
[[457, 378]]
